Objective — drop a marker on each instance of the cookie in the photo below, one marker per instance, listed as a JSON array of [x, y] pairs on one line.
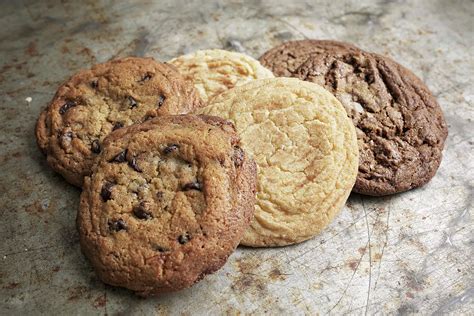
[[167, 203], [400, 126], [284, 59], [214, 71], [94, 102], [306, 151]]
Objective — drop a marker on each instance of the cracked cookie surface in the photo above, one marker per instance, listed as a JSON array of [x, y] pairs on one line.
[[400, 127], [109, 96], [214, 71], [284, 59], [167, 203], [306, 151]]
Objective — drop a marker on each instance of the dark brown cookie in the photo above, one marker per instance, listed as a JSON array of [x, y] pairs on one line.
[[284, 59], [167, 203], [400, 127], [94, 102]]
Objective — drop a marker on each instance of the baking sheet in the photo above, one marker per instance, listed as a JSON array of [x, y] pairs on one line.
[[406, 253]]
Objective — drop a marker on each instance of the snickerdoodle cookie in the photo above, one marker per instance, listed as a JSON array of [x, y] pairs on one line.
[[214, 71]]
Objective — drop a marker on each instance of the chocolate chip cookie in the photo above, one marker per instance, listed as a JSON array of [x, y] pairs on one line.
[[215, 70], [167, 203], [306, 150], [94, 102], [400, 126], [284, 59]]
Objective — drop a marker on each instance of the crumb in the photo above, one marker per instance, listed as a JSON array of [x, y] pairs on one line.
[[29, 99]]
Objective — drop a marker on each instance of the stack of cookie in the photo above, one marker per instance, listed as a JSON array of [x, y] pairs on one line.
[[180, 162]]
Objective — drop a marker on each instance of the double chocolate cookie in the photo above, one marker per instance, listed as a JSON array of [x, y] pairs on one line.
[[94, 102], [400, 127], [168, 201]]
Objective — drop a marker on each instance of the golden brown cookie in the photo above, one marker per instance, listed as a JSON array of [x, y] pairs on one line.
[[306, 150], [214, 71], [94, 102], [167, 203]]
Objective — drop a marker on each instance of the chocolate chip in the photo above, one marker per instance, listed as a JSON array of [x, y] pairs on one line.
[[95, 84], [106, 191], [159, 195], [133, 103], [95, 146], [161, 100], [369, 78], [117, 225], [170, 148], [182, 239], [204, 233], [146, 77], [66, 106], [148, 117], [120, 157], [117, 125], [134, 165], [238, 156], [141, 212], [159, 248], [221, 161], [192, 186]]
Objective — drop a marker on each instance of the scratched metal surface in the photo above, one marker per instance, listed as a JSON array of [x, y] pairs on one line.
[[407, 253]]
